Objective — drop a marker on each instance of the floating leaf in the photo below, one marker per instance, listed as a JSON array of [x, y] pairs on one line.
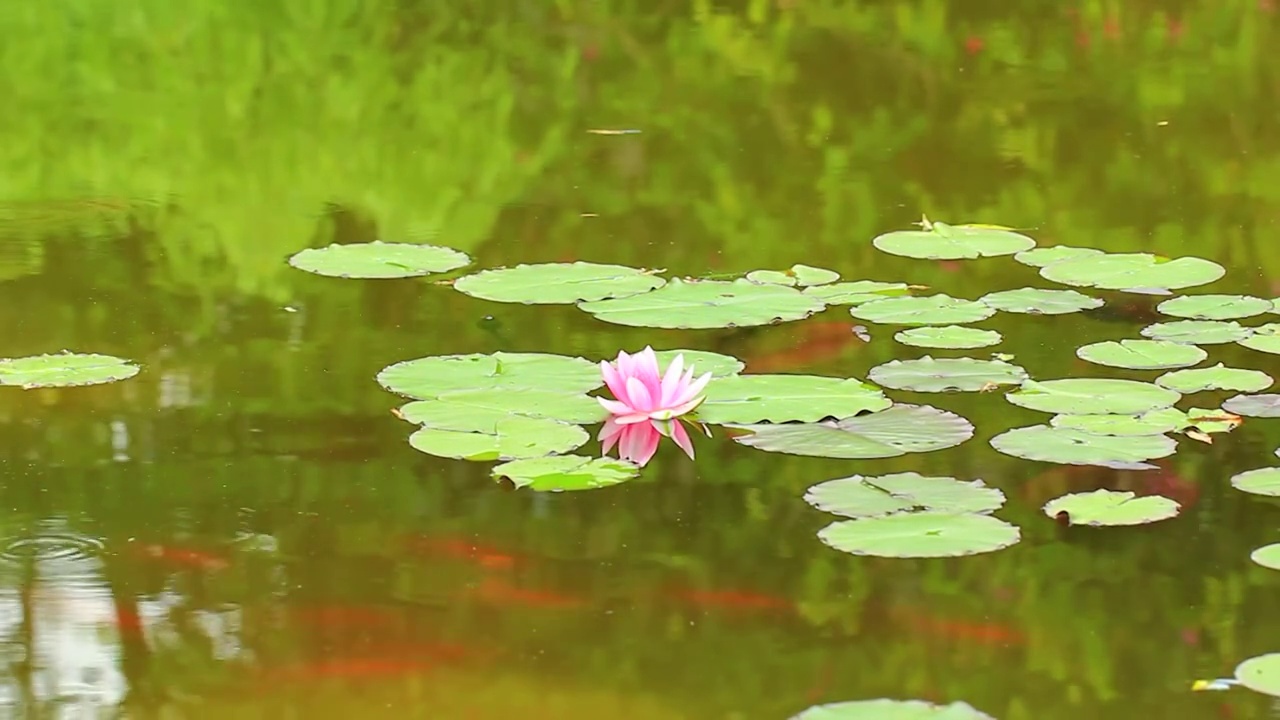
[[1263, 481], [1214, 307], [920, 535], [860, 496], [702, 362], [1267, 556], [64, 370], [1261, 674], [1141, 354], [896, 431], [706, 304], [513, 438], [562, 283], [940, 241], [1197, 332], [1036, 301], [929, 375], [566, 472], [1108, 507], [787, 398], [1218, 377], [1043, 256], [1264, 338], [1261, 406], [1069, 446], [930, 310], [1132, 271], [1092, 396], [379, 260], [801, 275], [1212, 421], [481, 410], [857, 292], [1155, 422], [430, 377], [884, 709], [951, 337]]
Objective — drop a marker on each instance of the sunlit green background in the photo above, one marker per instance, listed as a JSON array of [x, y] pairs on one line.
[[250, 502]]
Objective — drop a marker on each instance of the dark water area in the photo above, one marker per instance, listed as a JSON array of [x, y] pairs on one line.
[[242, 530]]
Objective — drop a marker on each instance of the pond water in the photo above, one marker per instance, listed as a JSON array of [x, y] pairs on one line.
[[241, 529]]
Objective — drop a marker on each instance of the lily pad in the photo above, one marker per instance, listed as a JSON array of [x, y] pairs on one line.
[[1268, 556], [1037, 301], [1069, 446], [896, 431], [706, 304], [437, 375], [1211, 420], [929, 375], [798, 275], [1259, 406], [1108, 507], [929, 310], [1197, 332], [1263, 481], [1261, 674], [940, 241], [787, 398], [566, 472], [1133, 272], [703, 361], [1044, 256], [1155, 422], [513, 438], [950, 337], [1218, 377], [1214, 307], [885, 709], [1092, 396], [64, 370], [857, 292], [1141, 354], [558, 283], [920, 535], [379, 260], [1264, 338], [481, 410], [860, 496]]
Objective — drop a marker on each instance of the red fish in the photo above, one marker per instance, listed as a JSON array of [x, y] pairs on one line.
[[819, 343], [489, 558], [501, 592], [186, 558], [960, 630]]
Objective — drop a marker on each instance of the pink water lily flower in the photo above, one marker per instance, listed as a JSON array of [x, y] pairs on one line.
[[648, 404]]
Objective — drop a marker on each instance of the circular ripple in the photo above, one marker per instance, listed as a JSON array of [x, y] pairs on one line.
[[49, 547]]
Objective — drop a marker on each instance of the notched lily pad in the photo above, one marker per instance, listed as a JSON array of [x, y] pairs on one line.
[[1069, 446], [1133, 272], [940, 241], [513, 438], [1044, 256], [1214, 307], [1264, 338], [1197, 332], [1218, 377], [857, 292], [896, 431], [961, 374], [1259, 406], [949, 337], [1263, 481], [920, 535], [1155, 422], [1261, 674], [885, 709], [566, 472], [1108, 507], [787, 398], [929, 310], [798, 275], [64, 370], [558, 283], [706, 304], [1141, 354], [437, 375], [1037, 301], [1268, 556], [379, 260], [861, 496], [1092, 396]]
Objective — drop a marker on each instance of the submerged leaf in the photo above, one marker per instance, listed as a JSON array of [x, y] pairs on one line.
[[379, 260], [1037, 301], [920, 535], [1214, 307], [512, 438], [787, 398], [1092, 396], [1141, 354], [1108, 507], [563, 283], [929, 310], [706, 304], [1218, 377], [896, 431], [940, 241], [1069, 446], [929, 375], [566, 472], [861, 496], [951, 337], [64, 370], [1197, 332]]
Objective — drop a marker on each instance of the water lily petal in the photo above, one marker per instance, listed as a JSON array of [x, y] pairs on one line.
[[694, 388], [638, 395], [615, 380], [615, 408], [671, 382], [681, 438], [609, 435], [645, 368], [639, 443]]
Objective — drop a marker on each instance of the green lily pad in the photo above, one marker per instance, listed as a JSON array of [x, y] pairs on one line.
[[1210, 420], [706, 304], [481, 410], [379, 260], [1268, 556], [1197, 332], [1258, 406], [1133, 272], [1069, 446], [857, 292], [702, 361], [1092, 396], [566, 472], [920, 535], [930, 310], [1141, 354], [64, 370], [1264, 338], [896, 431], [513, 438], [1263, 481], [950, 337], [558, 283], [798, 275], [885, 709], [1261, 674], [1045, 256], [1214, 307], [929, 375], [1218, 377], [1108, 507], [1036, 301], [940, 241], [787, 398], [860, 496], [437, 375], [1155, 422]]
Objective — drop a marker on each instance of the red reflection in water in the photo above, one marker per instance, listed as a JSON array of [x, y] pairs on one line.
[[820, 342], [733, 600], [179, 557], [501, 592], [958, 630], [458, 548]]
